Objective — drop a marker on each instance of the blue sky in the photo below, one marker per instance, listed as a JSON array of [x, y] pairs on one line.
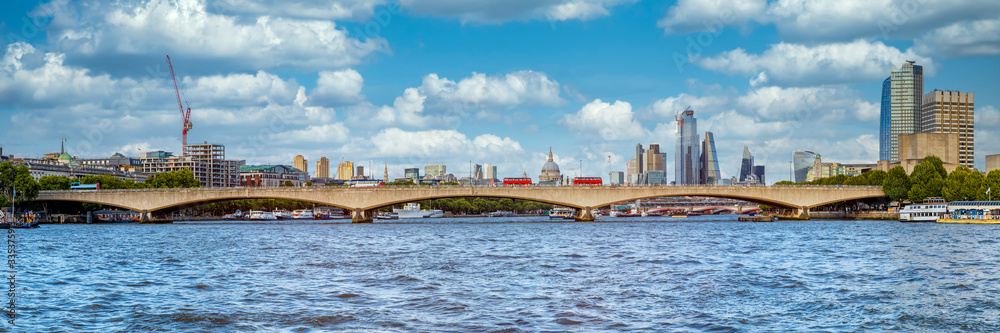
[[416, 82]]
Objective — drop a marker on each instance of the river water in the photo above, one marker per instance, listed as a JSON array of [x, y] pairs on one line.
[[510, 275]]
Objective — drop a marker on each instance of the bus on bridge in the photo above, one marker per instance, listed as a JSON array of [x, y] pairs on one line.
[[517, 181], [588, 181]]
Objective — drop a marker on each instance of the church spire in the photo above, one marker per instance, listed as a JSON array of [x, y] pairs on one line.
[[550, 154], [385, 176]]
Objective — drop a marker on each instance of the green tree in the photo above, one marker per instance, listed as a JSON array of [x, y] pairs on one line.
[[785, 183], [927, 181], [991, 182], [897, 184], [309, 184], [876, 177], [938, 165], [287, 183], [856, 181], [174, 179], [54, 183], [16, 177], [964, 184]]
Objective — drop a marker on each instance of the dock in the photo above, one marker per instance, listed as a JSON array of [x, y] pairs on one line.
[[969, 221]]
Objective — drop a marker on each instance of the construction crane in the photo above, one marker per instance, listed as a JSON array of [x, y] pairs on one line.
[[185, 115]]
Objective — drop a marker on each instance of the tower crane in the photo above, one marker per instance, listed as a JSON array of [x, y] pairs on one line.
[[185, 115]]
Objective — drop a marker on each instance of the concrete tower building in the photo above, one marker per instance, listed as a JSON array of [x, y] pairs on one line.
[[323, 168], [906, 90], [345, 171], [301, 163], [686, 159], [952, 112]]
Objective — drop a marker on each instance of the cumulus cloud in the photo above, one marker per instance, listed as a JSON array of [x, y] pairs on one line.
[[51, 83], [499, 11], [240, 89], [187, 29], [522, 88], [432, 144], [790, 64], [963, 39], [609, 121], [338, 88], [840, 20], [327, 9]]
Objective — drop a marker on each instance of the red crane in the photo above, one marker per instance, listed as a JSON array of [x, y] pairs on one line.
[[185, 115]]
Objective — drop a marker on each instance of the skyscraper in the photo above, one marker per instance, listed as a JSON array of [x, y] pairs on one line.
[[803, 160], [906, 98], [952, 112], [411, 173], [709, 161], [758, 173], [686, 160], [491, 171], [636, 167], [360, 174], [323, 168], [345, 171], [478, 172], [301, 163], [885, 121], [654, 170], [746, 166]]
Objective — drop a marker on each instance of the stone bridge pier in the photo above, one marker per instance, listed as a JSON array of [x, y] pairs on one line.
[[585, 214], [359, 215]]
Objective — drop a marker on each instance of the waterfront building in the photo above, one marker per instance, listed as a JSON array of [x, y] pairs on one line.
[[686, 158], [323, 168], [913, 148], [271, 176], [411, 173], [906, 92], [746, 165], [802, 160], [64, 164], [550, 175], [436, 170], [885, 123], [709, 162], [206, 161], [301, 163], [618, 178], [345, 170], [992, 163], [952, 112], [116, 161]]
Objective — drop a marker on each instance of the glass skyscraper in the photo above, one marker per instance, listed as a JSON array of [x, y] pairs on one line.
[[802, 161], [884, 138], [746, 166], [709, 161], [686, 158], [906, 92]]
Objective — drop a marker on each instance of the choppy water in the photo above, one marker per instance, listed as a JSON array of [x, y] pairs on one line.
[[461, 276]]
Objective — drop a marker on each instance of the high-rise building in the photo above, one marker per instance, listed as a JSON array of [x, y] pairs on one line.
[[617, 178], [411, 173], [207, 162], [746, 165], [758, 173], [709, 161], [478, 172], [686, 159], [360, 173], [952, 112], [491, 172], [993, 163], [301, 163], [906, 92], [345, 171], [802, 160], [436, 170], [654, 172], [323, 168], [885, 121]]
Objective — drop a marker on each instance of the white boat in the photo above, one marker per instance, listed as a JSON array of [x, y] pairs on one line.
[[930, 211], [262, 215], [409, 211], [300, 214], [282, 214], [386, 216], [561, 213]]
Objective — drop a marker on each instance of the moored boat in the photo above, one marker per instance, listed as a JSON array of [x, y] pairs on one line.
[[261, 215], [302, 214], [930, 211], [561, 213]]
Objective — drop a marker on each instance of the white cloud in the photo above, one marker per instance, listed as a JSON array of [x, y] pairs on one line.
[[51, 83], [480, 91], [424, 146], [185, 28], [828, 20], [609, 121], [240, 89], [326, 133], [499, 11], [331, 10], [338, 88], [795, 64], [963, 39]]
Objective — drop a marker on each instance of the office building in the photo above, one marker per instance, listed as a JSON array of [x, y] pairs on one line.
[[952, 112], [906, 90], [618, 178], [345, 170], [477, 172], [301, 163], [802, 160], [885, 123], [709, 161], [758, 172], [360, 173], [746, 165], [654, 170], [436, 170], [992, 162], [323, 168], [491, 172], [271, 176], [206, 161], [686, 158], [411, 173]]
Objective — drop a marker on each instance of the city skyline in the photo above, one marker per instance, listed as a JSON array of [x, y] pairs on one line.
[[440, 84]]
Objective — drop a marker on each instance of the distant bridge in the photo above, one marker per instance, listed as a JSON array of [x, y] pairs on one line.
[[363, 201]]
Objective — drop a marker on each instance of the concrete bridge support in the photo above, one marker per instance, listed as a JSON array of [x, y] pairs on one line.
[[802, 213], [359, 215], [145, 216], [585, 214]]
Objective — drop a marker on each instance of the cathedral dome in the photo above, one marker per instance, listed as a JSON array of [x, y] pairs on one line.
[[550, 170]]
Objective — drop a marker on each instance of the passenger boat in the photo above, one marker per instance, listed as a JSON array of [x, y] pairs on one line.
[[561, 213], [385, 216], [301, 214], [980, 212], [116, 216], [930, 211], [261, 215], [281, 214], [412, 211], [327, 213], [238, 215]]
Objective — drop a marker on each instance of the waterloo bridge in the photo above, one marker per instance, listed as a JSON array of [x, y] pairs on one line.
[[362, 202]]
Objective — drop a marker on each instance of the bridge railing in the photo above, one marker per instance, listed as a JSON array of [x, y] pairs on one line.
[[335, 188]]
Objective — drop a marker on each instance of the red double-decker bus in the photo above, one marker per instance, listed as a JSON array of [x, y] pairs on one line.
[[517, 182], [588, 181]]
